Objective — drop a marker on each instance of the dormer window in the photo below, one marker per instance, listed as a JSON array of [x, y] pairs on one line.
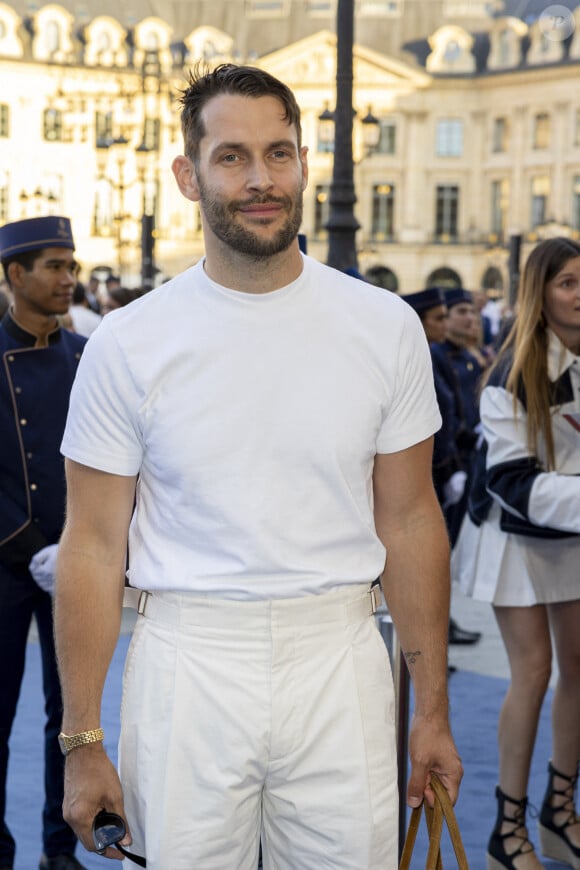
[[103, 42], [52, 37], [505, 42], [152, 41], [506, 37], [451, 51]]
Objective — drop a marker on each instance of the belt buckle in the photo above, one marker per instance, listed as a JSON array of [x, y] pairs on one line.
[[375, 593], [143, 599]]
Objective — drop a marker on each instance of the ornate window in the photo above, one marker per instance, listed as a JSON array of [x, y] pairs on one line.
[[576, 202], [105, 43], [103, 125], [449, 138], [321, 209], [451, 50], [4, 121], [382, 276], [467, 8], [52, 125], [380, 8], [540, 191], [383, 220], [542, 131], [446, 212], [444, 277], [577, 127], [152, 133], [492, 279], [103, 208], [52, 33], [387, 138], [499, 207], [52, 36], [500, 136], [506, 36], [267, 8], [4, 185], [320, 8]]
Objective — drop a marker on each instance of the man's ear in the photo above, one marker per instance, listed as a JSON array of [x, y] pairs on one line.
[[304, 163], [14, 275], [186, 177]]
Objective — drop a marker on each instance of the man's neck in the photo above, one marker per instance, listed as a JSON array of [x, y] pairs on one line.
[[39, 325], [252, 274]]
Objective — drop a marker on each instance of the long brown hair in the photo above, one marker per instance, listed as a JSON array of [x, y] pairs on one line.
[[528, 340]]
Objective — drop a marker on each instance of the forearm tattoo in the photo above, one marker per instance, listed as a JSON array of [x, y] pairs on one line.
[[411, 657]]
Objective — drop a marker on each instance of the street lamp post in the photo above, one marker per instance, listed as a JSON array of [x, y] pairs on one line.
[[342, 223], [120, 185], [143, 153]]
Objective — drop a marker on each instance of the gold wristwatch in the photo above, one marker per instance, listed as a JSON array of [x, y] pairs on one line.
[[68, 742]]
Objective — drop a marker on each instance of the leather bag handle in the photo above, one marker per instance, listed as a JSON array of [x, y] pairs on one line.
[[434, 817]]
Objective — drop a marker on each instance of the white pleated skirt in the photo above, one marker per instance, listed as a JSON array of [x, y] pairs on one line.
[[514, 570]]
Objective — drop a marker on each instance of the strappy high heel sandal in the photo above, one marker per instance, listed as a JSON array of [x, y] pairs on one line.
[[497, 857], [554, 841]]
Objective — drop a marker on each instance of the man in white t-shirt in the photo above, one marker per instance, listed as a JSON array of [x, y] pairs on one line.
[[260, 431]]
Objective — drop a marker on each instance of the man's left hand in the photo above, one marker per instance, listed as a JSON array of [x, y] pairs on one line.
[[43, 568], [432, 749]]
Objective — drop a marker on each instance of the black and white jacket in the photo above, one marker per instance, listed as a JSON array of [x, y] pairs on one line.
[[534, 501]]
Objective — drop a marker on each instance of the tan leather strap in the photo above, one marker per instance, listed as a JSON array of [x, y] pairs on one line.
[[443, 810]]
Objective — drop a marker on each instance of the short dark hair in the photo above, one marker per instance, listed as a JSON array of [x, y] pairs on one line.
[[229, 78], [26, 260]]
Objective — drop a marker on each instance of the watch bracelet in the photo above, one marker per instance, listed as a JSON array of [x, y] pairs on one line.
[[83, 738]]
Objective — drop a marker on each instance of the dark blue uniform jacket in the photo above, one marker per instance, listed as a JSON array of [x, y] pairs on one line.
[[35, 383]]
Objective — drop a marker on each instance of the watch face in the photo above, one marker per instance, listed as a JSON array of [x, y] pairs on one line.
[[62, 744]]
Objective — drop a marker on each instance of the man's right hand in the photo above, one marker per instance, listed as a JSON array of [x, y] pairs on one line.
[[92, 784]]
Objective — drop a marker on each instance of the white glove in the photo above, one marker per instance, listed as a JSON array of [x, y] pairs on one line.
[[43, 568], [453, 489]]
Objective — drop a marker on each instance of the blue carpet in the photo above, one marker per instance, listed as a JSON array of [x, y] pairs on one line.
[[475, 703]]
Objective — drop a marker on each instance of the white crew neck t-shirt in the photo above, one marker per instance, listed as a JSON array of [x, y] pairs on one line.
[[252, 422]]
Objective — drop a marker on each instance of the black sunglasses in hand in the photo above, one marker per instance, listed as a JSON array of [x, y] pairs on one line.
[[108, 830]]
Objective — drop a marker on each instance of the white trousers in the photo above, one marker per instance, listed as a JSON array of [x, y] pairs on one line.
[[262, 719]]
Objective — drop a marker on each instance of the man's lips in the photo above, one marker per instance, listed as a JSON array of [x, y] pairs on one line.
[[261, 209]]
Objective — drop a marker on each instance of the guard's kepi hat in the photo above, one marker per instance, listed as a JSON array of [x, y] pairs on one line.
[[432, 297], [456, 296], [33, 234]]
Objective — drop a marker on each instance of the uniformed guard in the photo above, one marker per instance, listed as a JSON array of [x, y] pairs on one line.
[[39, 361], [462, 372], [449, 464]]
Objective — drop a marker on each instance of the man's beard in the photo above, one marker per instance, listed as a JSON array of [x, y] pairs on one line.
[[220, 216]]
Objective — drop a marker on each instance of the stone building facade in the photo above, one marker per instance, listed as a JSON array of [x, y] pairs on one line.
[[477, 110]]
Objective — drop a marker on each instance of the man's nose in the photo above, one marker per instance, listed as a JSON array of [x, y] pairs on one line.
[[259, 177]]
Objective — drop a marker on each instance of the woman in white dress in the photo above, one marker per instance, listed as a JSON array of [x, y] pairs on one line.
[[519, 549]]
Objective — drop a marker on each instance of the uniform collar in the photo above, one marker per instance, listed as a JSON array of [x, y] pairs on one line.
[[559, 357], [18, 333]]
